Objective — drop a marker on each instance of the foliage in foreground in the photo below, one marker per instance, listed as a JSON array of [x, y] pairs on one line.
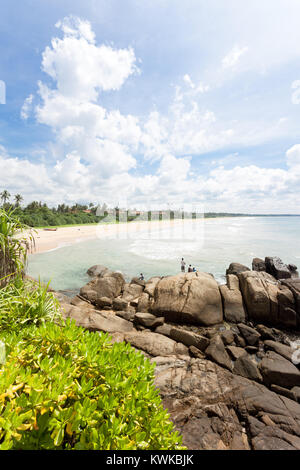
[[13, 249], [24, 303], [67, 388]]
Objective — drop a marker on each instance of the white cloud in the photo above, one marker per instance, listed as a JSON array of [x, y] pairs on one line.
[[296, 93], [233, 57], [26, 108], [81, 68]]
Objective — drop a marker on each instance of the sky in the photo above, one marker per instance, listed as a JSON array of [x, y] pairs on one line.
[[152, 103]]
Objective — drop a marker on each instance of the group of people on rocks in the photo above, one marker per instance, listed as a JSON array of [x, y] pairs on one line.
[[190, 269], [183, 265]]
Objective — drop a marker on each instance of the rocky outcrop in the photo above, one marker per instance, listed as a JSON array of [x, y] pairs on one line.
[[236, 268], [233, 304], [277, 370], [258, 264], [108, 285], [97, 270], [267, 301], [189, 298], [216, 352], [214, 409], [155, 344], [277, 268]]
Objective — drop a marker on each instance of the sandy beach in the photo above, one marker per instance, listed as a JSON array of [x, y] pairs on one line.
[[46, 240]]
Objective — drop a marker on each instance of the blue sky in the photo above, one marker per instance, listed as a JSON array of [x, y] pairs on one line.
[[152, 102]]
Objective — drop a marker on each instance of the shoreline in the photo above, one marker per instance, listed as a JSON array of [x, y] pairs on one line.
[[46, 241]]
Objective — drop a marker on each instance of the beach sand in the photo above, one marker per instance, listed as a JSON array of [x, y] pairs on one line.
[[50, 240]]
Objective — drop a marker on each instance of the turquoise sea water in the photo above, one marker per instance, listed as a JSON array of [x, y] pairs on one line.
[[210, 245]]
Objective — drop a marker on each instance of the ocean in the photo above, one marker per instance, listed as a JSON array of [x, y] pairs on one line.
[[209, 245]]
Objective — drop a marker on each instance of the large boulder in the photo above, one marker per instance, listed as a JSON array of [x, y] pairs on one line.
[[96, 321], [277, 268], [97, 270], [267, 301], [144, 303], [279, 371], [108, 285], [189, 298], [132, 291], [234, 311], [258, 264], [236, 268], [151, 284], [294, 286]]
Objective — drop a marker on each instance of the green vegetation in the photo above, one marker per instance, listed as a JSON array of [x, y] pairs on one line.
[[13, 249], [63, 387], [67, 388]]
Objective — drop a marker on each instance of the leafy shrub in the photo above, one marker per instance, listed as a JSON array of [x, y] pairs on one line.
[[67, 388], [24, 303], [13, 248]]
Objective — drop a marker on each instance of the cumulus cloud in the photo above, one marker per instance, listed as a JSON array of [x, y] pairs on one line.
[[103, 154]]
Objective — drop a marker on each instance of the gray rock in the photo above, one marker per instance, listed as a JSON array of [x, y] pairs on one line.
[[148, 320], [245, 367], [227, 337], [279, 348], [236, 268], [189, 338], [283, 391], [119, 304], [143, 303], [296, 392], [155, 344], [233, 304], [258, 264], [250, 335], [127, 315], [195, 352], [164, 330], [97, 270], [216, 352], [103, 302], [236, 352], [279, 371], [277, 268]]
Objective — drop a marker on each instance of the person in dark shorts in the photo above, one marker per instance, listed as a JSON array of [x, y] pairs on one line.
[[183, 263]]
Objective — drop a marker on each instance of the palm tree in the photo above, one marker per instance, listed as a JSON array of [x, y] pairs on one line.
[[18, 199], [4, 196]]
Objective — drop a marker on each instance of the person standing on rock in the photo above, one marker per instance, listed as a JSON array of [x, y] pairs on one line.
[[190, 270], [141, 278], [183, 263]]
